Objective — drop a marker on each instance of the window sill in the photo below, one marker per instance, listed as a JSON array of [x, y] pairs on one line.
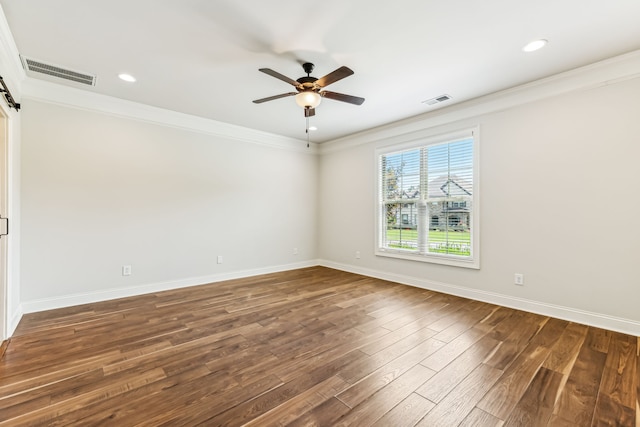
[[450, 260]]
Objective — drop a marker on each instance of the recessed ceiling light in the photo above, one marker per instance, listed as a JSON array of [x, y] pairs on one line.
[[534, 45], [127, 77], [312, 128]]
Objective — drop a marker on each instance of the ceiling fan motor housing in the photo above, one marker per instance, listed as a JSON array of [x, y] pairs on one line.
[[307, 83]]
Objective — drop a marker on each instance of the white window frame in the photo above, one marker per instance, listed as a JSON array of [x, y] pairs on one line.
[[472, 261]]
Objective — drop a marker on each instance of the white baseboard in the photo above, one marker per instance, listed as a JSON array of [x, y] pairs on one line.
[[108, 294], [598, 320], [14, 320]]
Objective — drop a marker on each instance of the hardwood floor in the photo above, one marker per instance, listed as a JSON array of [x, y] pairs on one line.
[[314, 347]]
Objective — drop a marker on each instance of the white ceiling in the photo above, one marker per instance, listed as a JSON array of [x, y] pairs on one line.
[[201, 57]]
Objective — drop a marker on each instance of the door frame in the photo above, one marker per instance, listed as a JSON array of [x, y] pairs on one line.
[[4, 212]]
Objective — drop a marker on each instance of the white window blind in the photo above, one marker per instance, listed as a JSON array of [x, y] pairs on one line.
[[426, 202]]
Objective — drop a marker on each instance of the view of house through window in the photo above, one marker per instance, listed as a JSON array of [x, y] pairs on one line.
[[426, 200]]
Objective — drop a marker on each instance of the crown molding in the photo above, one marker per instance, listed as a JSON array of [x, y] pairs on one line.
[[52, 93], [609, 71]]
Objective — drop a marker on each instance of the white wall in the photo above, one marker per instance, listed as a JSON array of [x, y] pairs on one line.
[[100, 192], [559, 204]]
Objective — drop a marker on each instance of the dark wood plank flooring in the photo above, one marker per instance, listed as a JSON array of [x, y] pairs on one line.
[[314, 346]]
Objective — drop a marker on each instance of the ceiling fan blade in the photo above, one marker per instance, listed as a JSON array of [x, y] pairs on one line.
[[309, 112], [334, 76], [271, 98], [342, 97], [277, 75]]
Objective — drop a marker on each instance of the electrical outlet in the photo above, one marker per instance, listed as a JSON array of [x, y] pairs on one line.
[[518, 279], [219, 260], [126, 270], [357, 254], [295, 251]]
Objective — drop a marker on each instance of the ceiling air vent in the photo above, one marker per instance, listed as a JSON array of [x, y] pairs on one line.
[[52, 70], [437, 100]]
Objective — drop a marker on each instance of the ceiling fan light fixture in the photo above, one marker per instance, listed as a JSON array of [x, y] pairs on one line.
[[308, 99]]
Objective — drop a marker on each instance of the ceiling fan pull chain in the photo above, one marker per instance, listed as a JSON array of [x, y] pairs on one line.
[[307, 132]]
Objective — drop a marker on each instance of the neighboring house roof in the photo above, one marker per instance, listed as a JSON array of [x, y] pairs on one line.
[[449, 186], [412, 194], [442, 186]]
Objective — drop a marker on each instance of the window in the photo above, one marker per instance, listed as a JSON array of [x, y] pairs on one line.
[[433, 183]]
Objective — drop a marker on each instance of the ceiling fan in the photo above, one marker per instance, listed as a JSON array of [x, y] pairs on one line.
[[310, 89]]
